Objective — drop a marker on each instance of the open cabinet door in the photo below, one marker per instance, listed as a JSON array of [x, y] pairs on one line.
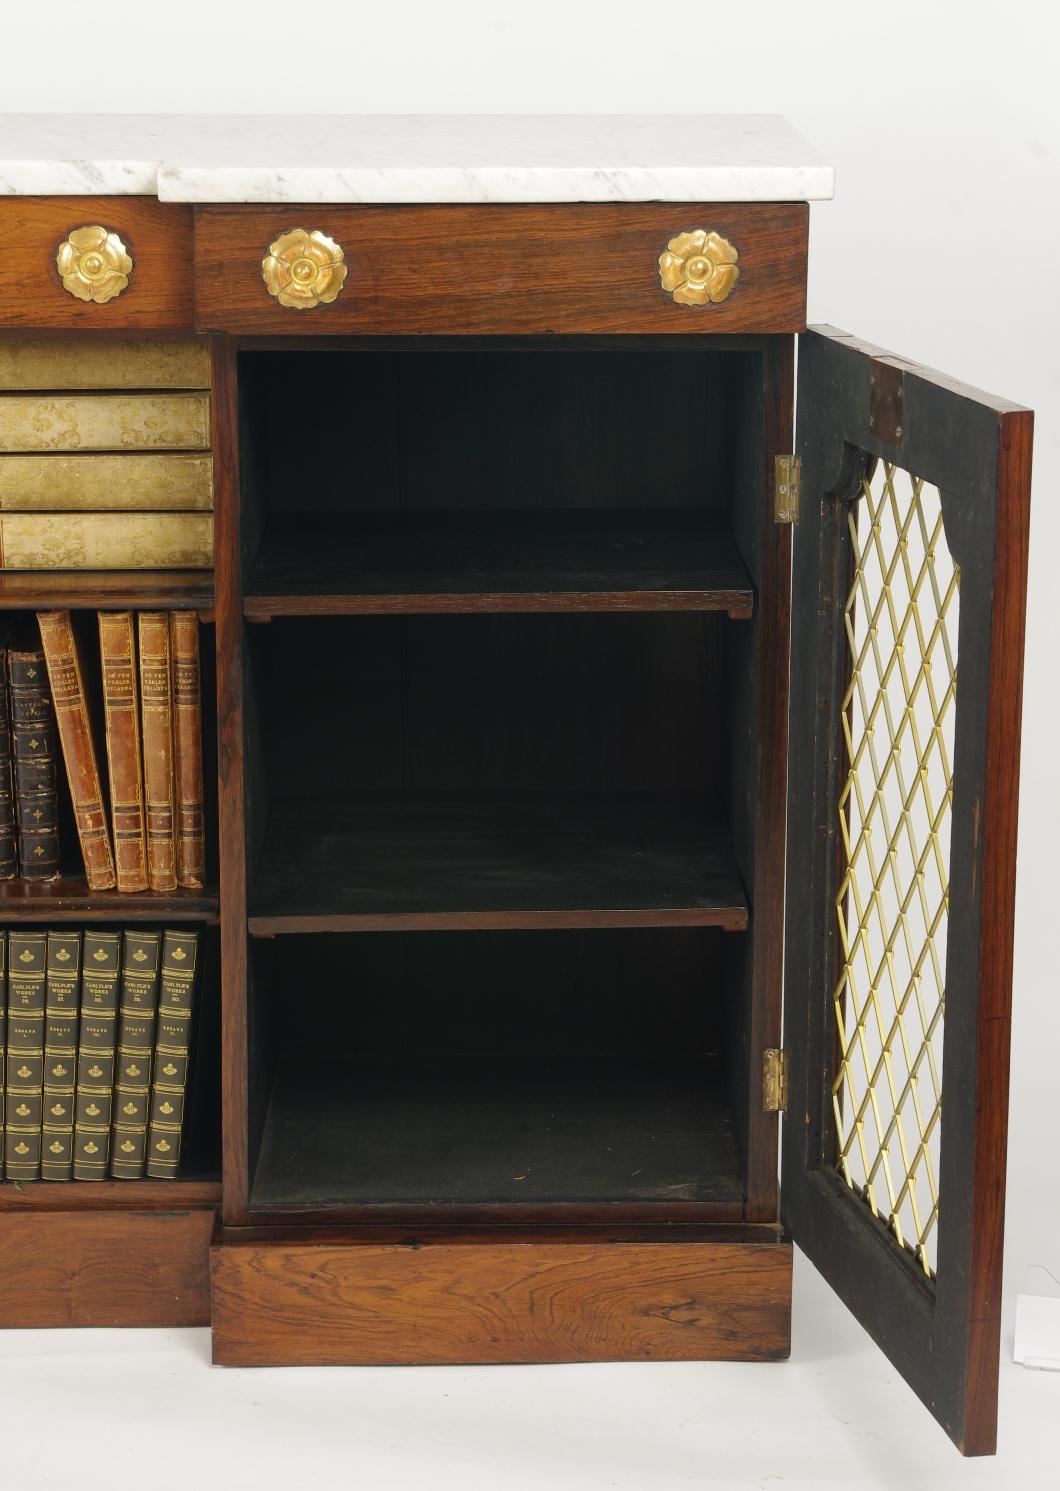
[[907, 669]]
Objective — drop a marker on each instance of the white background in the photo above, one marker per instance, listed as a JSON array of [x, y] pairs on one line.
[[943, 123]]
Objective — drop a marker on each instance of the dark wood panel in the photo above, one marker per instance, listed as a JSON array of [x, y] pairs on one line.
[[105, 1268], [158, 235], [109, 1195], [107, 590], [291, 1302], [503, 269], [634, 861], [69, 899], [494, 1129], [487, 561]]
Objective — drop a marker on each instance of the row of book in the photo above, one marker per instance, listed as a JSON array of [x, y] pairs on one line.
[[153, 731], [98, 1040]]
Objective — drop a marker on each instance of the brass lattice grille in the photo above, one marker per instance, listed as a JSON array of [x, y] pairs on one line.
[[894, 815]]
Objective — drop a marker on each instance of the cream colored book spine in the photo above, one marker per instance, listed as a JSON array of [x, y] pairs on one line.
[[155, 482], [104, 421], [54, 541]]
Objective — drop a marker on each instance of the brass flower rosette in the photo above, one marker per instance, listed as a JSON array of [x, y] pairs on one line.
[[93, 264], [699, 268], [303, 269]]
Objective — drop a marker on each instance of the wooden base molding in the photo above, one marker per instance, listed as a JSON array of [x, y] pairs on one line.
[[366, 1299]]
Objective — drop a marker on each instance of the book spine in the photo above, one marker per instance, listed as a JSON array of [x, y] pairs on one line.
[[117, 648], [187, 747], [136, 1046], [172, 1050], [79, 752], [156, 704], [8, 835], [116, 540], [33, 740], [61, 1001], [97, 1041], [3, 1038], [25, 1054]]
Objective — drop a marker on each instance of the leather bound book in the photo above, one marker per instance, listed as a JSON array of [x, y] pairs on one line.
[[97, 1043], [117, 650], [156, 705], [8, 833], [3, 1037], [79, 752], [172, 1048], [25, 1054], [187, 747], [61, 1002], [34, 744], [136, 1048]]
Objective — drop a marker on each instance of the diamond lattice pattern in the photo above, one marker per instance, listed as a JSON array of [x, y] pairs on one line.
[[894, 815]]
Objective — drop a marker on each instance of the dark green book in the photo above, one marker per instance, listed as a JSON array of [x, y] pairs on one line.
[[62, 998], [172, 1049], [97, 1044], [25, 1054], [136, 1049]]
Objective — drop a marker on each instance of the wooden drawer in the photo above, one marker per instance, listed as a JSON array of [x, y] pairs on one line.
[[157, 237], [503, 269], [377, 1298]]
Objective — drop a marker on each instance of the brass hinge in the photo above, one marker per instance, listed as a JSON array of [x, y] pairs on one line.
[[787, 473], [774, 1080]]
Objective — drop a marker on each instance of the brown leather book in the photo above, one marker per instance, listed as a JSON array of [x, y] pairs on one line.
[[8, 833], [117, 650], [156, 706], [97, 1041], [79, 751], [3, 1036], [187, 747], [34, 743], [172, 1050]]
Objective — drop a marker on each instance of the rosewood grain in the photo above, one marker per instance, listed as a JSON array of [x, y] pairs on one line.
[[107, 1267], [158, 235], [290, 1301], [503, 269]]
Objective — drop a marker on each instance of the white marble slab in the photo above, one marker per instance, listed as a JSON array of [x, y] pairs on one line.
[[413, 158]]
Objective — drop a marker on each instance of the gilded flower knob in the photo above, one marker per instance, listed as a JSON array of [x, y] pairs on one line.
[[699, 267], [303, 269], [93, 264]]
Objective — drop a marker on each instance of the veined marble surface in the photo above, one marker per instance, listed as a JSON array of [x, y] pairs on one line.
[[412, 158]]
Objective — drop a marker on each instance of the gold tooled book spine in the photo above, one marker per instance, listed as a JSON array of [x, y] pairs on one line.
[[8, 833], [172, 1052], [121, 710], [62, 999], [93, 362], [136, 1049], [34, 748], [140, 541], [157, 482], [96, 1051], [25, 1054], [156, 706], [79, 751], [104, 422], [187, 748], [3, 1037]]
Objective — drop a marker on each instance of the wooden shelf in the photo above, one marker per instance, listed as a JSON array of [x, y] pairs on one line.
[[417, 562], [70, 899], [109, 1195], [106, 590], [410, 1131], [424, 864]]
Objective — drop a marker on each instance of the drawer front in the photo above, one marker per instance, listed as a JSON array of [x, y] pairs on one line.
[[515, 270], [149, 247], [87, 422]]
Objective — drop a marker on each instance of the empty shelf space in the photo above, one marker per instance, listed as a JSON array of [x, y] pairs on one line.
[[70, 899], [581, 560], [350, 1131], [425, 864]]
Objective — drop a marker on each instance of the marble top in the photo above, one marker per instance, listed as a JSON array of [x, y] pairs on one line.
[[412, 158]]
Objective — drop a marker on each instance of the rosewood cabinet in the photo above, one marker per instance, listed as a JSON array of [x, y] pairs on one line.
[[616, 780]]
